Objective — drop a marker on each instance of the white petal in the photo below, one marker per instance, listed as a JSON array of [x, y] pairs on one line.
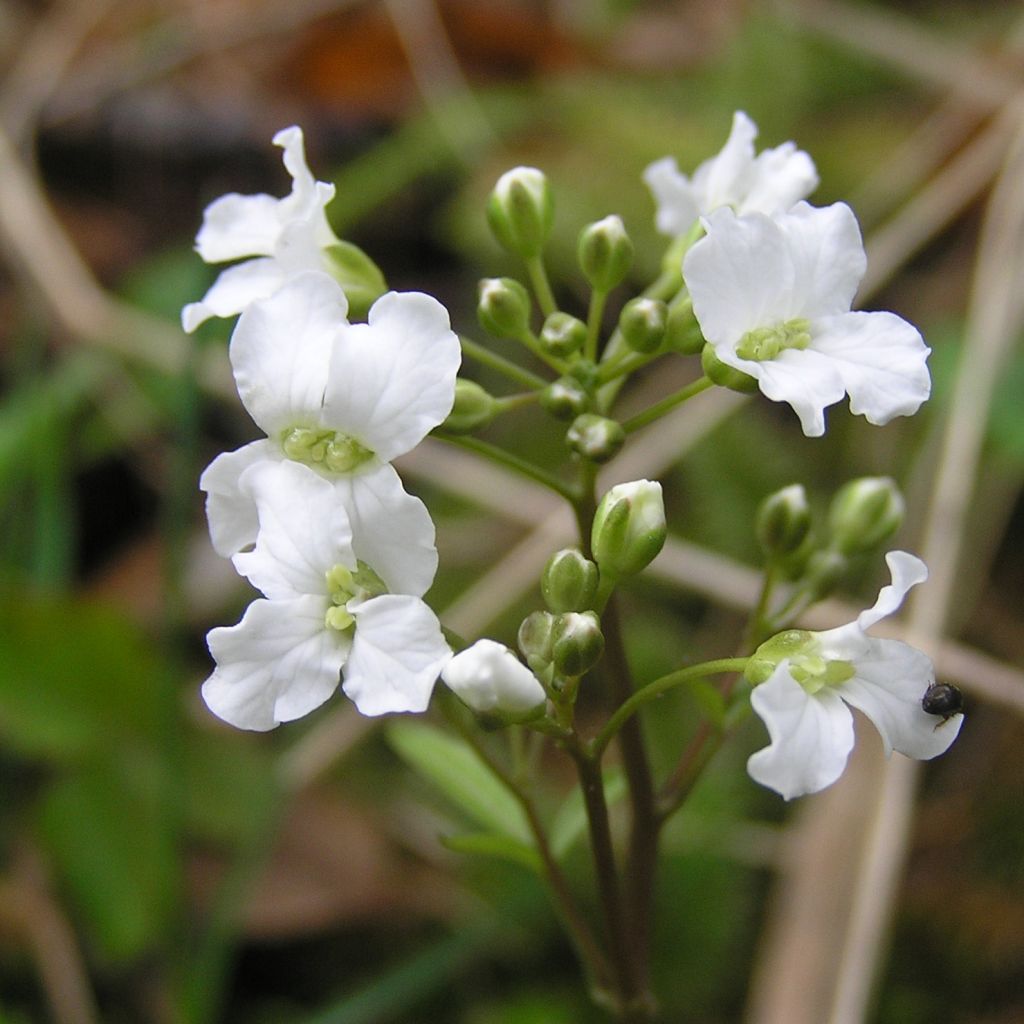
[[725, 179], [303, 530], [673, 194], [781, 177], [281, 349], [308, 196], [882, 360], [907, 571], [235, 226], [397, 654], [740, 277], [827, 253], [393, 379], [392, 531], [277, 664], [891, 680], [230, 511], [489, 677], [234, 289], [805, 379], [811, 737]]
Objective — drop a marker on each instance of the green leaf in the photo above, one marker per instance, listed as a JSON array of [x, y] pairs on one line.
[[571, 820], [455, 769], [501, 847]]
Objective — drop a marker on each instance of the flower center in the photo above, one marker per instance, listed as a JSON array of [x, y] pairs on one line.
[[764, 343], [324, 449], [814, 673], [344, 585], [807, 665]]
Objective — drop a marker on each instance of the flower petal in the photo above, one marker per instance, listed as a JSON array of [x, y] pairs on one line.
[[781, 177], [230, 511], [881, 359], [277, 664], [891, 680], [489, 677], [393, 379], [677, 209], [392, 531], [235, 226], [805, 379], [725, 178], [308, 196], [281, 350], [303, 530], [907, 571], [234, 289], [397, 654], [811, 737]]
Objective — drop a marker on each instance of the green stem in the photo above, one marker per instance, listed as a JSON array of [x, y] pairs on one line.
[[506, 458], [659, 409], [529, 339], [628, 708], [499, 363], [506, 403], [595, 313], [625, 362], [541, 286]]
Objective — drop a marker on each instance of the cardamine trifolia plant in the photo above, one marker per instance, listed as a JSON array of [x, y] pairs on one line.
[[342, 376]]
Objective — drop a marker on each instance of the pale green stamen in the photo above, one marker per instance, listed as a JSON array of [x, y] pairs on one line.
[[324, 449], [806, 663], [344, 585], [814, 673], [764, 343]]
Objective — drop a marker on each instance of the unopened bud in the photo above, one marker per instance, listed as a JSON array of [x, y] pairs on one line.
[[360, 278], [492, 681], [605, 253], [595, 437], [503, 308], [725, 376], [865, 514], [783, 521], [569, 582], [629, 528], [642, 323], [682, 332], [578, 643], [565, 398], [521, 211], [562, 335], [535, 641], [473, 408]]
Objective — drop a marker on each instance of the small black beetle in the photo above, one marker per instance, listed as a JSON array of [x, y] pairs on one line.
[[943, 699]]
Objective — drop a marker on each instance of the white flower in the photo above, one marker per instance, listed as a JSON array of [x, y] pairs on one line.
[[489, 677], [772, 297], [344, 399], [803, 702], [324, 612], [772, 180], [286, 235]]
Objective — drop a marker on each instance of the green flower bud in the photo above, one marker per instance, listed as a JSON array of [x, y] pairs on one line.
[[503, 308], [521, 211], [569, 582], [587, 373], [605, 253], [642, 323], [865, 514], [629, 528], [682, 332], [473, 408], [360, 278], [563, 335], [565, 398], [595, 437], [536, 641], [725, 376], [824, 572], [783, 521], [578, 643]]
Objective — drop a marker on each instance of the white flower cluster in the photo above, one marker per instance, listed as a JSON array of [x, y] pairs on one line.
[[313, 514]]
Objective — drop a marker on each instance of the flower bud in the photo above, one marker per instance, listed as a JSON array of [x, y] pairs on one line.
[[503, 308], [595, 437], [473, 408], [783, 521], [535, 641], [360, 278], [578, 643], [725, 376], [642, 323], [565, 398], [521, 211], [562, 335], [864, 514], [629, 528], [569, 582], [682, 332], [605, 253], [491, 680]]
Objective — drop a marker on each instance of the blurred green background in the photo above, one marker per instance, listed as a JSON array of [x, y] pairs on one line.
[[157, 866]]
